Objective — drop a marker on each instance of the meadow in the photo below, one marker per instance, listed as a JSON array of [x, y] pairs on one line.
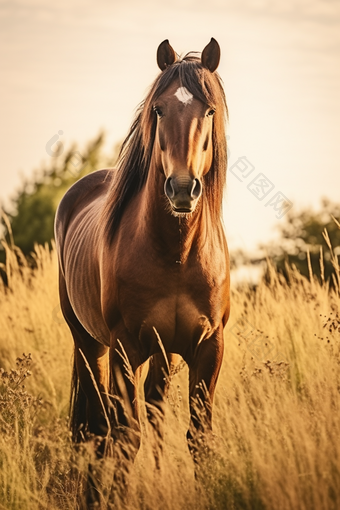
[[276, 412]]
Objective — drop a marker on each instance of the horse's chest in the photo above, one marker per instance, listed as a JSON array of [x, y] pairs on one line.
[[176, 302]]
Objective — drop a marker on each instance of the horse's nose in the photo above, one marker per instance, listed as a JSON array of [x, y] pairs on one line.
[[183, 193]]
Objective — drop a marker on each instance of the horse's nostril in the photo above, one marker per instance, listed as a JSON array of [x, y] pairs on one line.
[[196, 189], [169, 188]]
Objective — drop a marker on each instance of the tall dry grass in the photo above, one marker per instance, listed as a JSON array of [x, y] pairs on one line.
[[276, 412]]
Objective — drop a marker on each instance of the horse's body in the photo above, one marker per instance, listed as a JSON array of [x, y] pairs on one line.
[[143, 257]]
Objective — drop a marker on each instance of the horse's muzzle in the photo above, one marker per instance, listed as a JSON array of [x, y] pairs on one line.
[[183, 193]]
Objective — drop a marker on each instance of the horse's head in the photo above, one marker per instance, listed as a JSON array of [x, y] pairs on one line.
[[185, 110], [179, 130]]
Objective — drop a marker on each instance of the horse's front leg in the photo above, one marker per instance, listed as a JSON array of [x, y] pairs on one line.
[[125, 369], [204, 368], [155, 390]]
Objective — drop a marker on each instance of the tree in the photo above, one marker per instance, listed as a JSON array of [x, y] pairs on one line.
[[34, 207], [302, 232]]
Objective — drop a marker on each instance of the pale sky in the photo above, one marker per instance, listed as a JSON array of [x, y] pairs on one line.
[[81, 66]]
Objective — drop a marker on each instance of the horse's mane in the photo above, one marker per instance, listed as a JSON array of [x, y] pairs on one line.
[[136, 151]]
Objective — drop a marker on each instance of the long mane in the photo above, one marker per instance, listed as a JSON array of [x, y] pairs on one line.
[[136, 151]]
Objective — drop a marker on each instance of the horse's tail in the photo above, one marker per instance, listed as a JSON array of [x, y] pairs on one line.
[[78, 415]]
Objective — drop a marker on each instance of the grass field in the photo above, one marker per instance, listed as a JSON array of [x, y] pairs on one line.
[[276, 412]]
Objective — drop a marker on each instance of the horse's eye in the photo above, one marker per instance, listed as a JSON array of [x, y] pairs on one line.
[[211, 112], [158, 111]]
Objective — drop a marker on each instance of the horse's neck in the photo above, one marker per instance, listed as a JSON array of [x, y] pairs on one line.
[[176, 235]]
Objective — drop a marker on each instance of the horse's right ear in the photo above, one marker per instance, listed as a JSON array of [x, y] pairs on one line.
[[165, 55]]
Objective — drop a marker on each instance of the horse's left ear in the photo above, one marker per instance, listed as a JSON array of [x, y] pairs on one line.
[[211, 55], [165, 55]]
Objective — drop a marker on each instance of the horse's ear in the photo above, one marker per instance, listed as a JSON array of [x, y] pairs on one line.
[[211, 55], [165, 55]]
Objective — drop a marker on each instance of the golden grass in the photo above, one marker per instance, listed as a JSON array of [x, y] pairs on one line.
[[276, 412]]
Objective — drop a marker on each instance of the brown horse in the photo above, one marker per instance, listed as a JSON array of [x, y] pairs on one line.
[[144, 267]]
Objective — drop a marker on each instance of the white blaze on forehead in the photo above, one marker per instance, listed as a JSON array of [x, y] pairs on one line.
[[184, 95]]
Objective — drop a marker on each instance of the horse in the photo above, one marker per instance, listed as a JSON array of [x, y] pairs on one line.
[[143, 260]]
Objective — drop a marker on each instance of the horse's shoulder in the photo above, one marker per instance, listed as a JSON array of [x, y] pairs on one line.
[[79, 195]]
